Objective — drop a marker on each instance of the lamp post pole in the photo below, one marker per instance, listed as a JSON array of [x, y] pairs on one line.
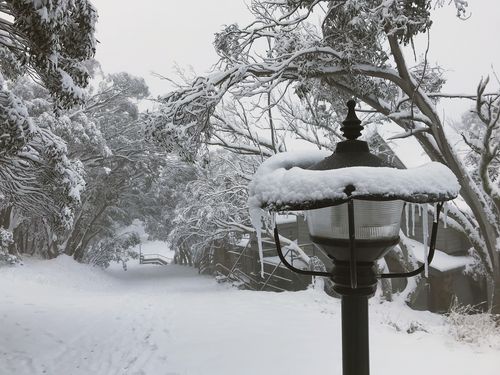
[[354, 308], [355, 342]]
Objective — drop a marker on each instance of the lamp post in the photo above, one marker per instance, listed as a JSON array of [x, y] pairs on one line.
[[353, 208]]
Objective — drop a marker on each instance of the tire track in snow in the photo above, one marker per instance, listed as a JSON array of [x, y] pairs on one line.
[[119, 341], [122, 327], [133, 333]]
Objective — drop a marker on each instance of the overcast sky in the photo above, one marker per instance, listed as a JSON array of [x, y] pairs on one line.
[[147, 36]]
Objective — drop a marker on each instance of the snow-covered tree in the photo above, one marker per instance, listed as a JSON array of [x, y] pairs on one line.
[[105, 134], [103, 142], [480, 130], [38, 179], [357, 50], [211, 208], [49, 40], [156, 206], [127, 177]]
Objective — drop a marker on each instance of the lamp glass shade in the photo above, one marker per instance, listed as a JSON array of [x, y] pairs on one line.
[[373, 220]]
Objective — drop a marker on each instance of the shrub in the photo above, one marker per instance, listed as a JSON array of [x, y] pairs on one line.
[[6, 241], [469, 324]]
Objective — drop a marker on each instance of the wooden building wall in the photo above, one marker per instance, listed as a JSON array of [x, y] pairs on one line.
[[449, 240]]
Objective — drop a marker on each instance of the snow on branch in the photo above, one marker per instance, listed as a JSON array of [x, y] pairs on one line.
[[16, 127], [184, 120], [408, 115], [488, 111], [411, 132]]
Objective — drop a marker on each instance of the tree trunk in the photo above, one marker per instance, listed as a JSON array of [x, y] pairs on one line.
[[183, 256], [494, 295], [494, 304], [5, 217]]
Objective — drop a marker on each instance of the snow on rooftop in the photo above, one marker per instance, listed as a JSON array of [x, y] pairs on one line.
[[286, 218], [281, 182], [295, 261], [442, 262], [243, 242]]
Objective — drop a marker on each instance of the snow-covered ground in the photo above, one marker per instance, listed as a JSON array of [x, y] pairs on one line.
[[62, 318]]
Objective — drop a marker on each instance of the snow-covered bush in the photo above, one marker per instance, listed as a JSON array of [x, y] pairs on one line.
[[5, 241], [469, 324], [316, 264], [119, 249]]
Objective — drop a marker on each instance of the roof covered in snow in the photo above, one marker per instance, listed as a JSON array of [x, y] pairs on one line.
[[283, 182], [286, 218], [442, 262]]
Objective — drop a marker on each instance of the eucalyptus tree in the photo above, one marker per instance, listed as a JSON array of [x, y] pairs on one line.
[[165, 190], [210, 208], [127, 177], [357, 50], [38, 179], [105, 135], [50, 41], [78, 207]]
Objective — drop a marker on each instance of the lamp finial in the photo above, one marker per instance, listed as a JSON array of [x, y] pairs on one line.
[[352, 124]]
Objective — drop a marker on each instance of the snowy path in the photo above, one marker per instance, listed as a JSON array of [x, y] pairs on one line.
[[61, 318]]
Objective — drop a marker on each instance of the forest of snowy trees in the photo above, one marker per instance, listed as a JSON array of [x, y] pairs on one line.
[[80, 160], [75, 167]]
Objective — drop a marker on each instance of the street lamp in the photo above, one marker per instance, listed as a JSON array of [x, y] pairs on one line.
[[353, 203]]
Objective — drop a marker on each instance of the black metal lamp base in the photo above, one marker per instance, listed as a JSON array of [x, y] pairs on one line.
[[355, 332], [366, 279]]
